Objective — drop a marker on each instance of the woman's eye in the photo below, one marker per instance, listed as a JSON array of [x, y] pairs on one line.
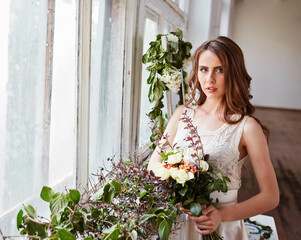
[[219, 70], [203, 69]]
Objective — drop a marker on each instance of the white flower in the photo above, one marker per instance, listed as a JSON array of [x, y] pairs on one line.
[[174, 158], [204, 165], [164, 43], [180, 175], [172, 79], [172, 38], [161, 171]]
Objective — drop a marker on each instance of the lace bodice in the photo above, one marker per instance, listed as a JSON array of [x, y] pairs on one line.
[[221, 145]]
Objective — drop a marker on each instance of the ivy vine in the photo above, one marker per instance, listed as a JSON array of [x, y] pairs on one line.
[[165, 58]]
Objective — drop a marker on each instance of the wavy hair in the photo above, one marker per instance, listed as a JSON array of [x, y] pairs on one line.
[[237, 80]]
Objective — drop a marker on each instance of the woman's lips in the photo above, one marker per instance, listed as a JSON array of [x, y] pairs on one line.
[[211, 89]]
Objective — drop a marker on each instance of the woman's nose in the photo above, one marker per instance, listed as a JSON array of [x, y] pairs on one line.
[[210, 77]]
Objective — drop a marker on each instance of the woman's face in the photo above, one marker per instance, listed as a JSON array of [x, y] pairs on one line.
[[211, 75]]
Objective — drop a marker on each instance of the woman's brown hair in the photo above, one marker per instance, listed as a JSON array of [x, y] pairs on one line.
[[237, 80]]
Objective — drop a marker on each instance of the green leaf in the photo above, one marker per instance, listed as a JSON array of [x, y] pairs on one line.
[[30, 210], [161, 215], [36, 229], [144, 58], [143, 194], [175, 200], [112, 232], [196, 209], [108, 193], [58, 202], [147, 217], [65, 235], [164, 229], [117, 186], [201, 200], [19, 218], [74, 195], [147, 187], [187, 202], [183, 192], [46, 193]]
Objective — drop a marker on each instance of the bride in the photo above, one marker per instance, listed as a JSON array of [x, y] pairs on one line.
[[219, 85]]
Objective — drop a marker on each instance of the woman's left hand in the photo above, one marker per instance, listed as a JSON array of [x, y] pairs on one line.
[[208, 221]]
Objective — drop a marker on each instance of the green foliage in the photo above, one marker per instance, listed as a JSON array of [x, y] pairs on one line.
[[159, 62], [194, 193], [131, 206]]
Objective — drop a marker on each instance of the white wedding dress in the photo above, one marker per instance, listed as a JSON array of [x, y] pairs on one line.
[[222, 146]]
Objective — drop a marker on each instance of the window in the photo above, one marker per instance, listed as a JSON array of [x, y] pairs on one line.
[[23, 38], [38, 103]]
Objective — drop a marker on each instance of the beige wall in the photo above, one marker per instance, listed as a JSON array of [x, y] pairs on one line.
[[269, 32]]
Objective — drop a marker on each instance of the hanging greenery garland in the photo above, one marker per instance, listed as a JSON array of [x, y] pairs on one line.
[[165, 58]]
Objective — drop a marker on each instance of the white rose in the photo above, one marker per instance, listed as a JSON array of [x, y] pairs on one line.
[[161, 171], [175, 158], [172, 38], [204, 165], [180, 175]]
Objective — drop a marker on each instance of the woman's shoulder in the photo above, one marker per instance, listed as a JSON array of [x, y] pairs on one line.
[[181, 110], [252, 130], [251, 124]]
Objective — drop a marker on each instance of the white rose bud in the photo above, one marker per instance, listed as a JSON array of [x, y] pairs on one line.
[[204, 165]]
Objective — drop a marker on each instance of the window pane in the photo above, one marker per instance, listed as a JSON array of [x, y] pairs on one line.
[[108, 24], [22, 62], [150, 32], [183, 5], [62, 152]]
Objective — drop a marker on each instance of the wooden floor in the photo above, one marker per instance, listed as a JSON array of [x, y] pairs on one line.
[[285, 152]]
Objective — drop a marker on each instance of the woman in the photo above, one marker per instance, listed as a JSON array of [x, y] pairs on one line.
[[219, 84]]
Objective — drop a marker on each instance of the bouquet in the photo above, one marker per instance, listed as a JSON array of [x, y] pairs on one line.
[[188, 175]]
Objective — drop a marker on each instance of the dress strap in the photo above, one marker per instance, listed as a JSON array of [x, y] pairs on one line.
[[239, 130]]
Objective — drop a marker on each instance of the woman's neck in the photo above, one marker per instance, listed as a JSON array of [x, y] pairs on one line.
[[212, 107]]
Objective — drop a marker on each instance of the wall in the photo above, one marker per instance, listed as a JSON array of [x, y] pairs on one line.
[[269, 33], [198, 22]]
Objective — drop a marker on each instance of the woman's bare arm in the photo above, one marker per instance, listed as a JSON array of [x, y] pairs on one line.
[[268, 197]]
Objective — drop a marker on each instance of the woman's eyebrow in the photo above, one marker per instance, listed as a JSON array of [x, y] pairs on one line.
[[207, 67]]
